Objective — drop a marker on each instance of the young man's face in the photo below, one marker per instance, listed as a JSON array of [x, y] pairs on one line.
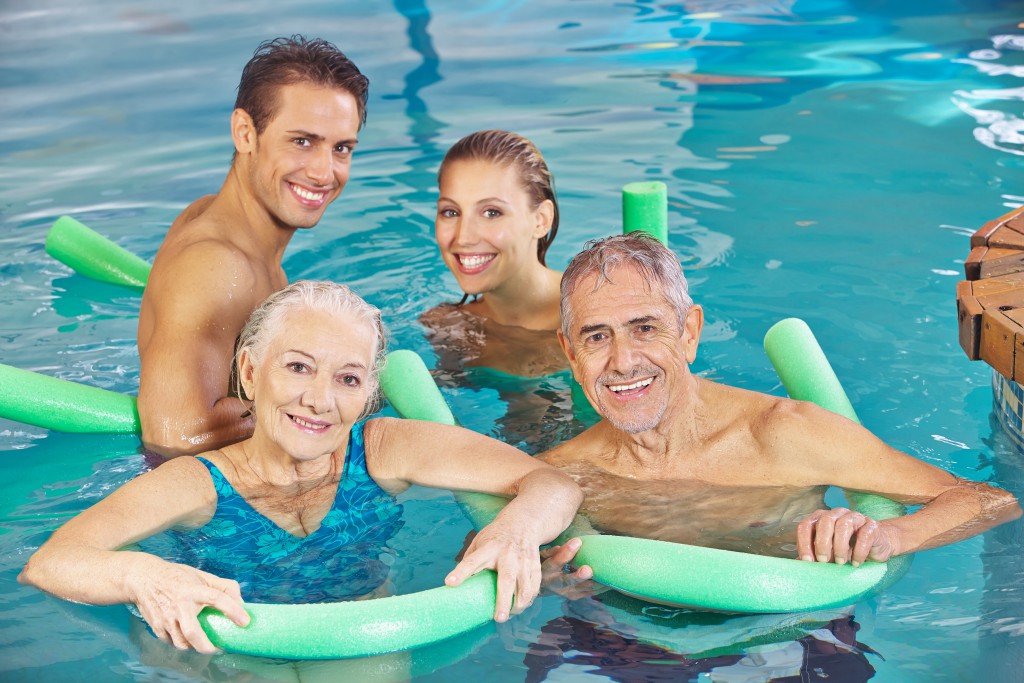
[[300, 162]]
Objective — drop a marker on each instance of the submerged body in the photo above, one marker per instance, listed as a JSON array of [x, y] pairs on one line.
[[462, 338], [753, 519]]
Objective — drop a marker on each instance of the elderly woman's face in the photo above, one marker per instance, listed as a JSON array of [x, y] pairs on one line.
[[312, 383]]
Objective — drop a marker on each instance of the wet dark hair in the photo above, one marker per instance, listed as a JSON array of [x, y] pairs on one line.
[[287, 61], [511, 149]]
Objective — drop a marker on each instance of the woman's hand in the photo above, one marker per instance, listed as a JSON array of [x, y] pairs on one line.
[[171, 596], [516, 559], [840, 535]]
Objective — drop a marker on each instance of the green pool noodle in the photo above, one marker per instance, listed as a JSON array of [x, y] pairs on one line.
[[359, 628], [65, 406], [645, 207], [91, 254], [722, 580], [801, 365], [807, 375], [411, 390]]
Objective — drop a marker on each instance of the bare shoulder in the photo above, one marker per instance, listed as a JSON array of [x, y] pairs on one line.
[[202, 275], [183, 485], [580, 448], [441, 316]]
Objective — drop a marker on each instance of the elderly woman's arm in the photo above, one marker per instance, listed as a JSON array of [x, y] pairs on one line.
[[81, 561], [544, 500]]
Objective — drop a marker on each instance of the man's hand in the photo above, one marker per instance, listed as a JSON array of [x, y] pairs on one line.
[[840, 535], [555, 577]]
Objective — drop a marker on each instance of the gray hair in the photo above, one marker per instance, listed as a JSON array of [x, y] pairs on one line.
[[638, 249], [316, 295]]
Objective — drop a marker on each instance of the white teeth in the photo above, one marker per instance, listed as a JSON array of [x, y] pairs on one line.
[[475, 261], [308, 425], [635, 385], [306, 194]]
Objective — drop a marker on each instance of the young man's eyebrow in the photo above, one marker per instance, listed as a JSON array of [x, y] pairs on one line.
[[307, 134]]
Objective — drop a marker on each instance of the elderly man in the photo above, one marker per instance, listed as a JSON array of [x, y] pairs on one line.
[[297, 115], [682, 458]]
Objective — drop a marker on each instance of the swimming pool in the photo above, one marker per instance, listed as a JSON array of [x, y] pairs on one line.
[[825, 159]]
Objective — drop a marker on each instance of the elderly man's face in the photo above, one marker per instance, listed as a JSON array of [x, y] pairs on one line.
[[627, 349]]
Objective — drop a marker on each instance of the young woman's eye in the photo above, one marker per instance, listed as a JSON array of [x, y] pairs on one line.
[[447, 213], [492, 213]]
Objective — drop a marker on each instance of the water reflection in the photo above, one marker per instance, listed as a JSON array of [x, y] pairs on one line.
[[625, 640]]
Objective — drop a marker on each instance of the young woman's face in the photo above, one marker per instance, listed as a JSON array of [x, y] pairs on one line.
[[486, 229]]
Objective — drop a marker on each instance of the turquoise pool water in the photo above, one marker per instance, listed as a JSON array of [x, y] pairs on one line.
[[825, 159]]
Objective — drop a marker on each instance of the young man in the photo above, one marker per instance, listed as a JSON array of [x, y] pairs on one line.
[[300, 106]]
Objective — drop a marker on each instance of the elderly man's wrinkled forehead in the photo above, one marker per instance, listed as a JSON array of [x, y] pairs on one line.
[[614, 274], [586, 289]]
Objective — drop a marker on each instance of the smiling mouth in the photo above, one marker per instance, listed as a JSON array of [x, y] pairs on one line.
[[474, 263], [306, 424], [629, 389], [308, 196]]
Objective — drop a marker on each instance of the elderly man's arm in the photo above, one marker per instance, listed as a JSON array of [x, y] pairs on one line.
[[81, 560], [195, 306], [824, 448]]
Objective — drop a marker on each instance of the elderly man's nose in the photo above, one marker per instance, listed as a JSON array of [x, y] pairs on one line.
[[623, 355]]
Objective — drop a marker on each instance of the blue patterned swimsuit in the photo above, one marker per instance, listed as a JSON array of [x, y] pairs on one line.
[[341, 560]]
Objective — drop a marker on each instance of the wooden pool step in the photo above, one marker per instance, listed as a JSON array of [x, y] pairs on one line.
[[990, 302]]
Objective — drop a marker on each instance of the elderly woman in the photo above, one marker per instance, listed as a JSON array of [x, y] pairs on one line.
[[312, 480]]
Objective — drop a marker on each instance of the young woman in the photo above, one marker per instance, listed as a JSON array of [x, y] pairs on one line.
[[314, 480], [497, 214]]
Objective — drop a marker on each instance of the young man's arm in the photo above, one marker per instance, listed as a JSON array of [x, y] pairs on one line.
[[196, 305]]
